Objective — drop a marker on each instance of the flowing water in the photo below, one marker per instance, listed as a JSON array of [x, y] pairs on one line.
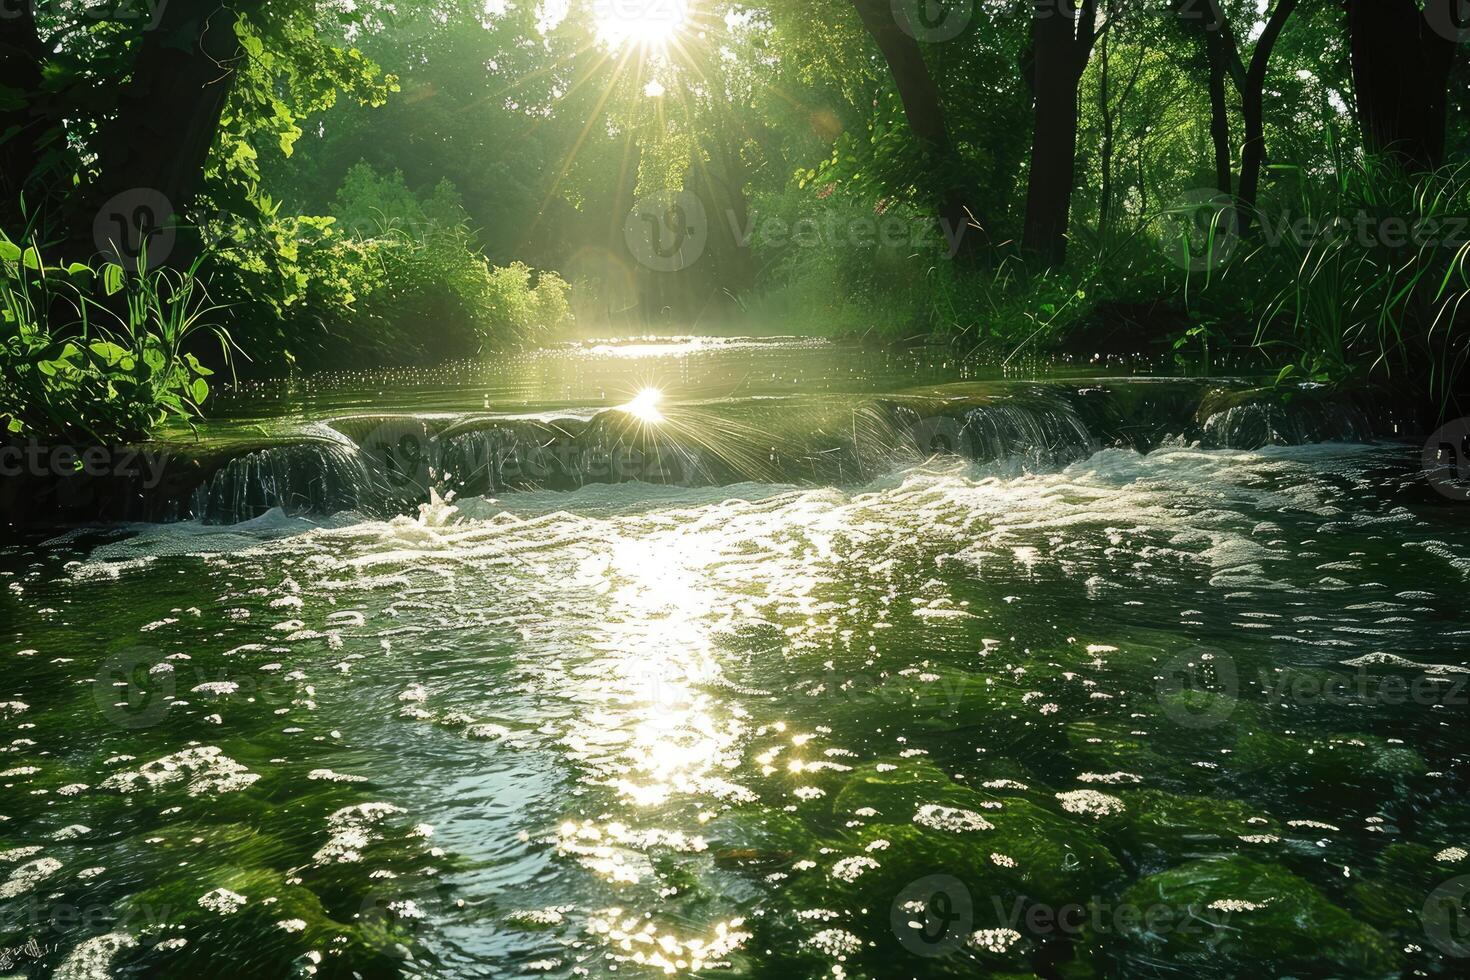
[[1052, 706]]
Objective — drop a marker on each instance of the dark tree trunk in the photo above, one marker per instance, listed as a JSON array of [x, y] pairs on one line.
[[25, 128], [1219, 111], [925, 114], [1062, 41], [1252, 99], [1402, 59], [169, 112], [1105, 109]]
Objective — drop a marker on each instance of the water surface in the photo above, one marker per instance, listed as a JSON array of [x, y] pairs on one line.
[[1131, 714]]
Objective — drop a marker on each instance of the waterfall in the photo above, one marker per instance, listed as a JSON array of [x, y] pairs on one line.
[[385, 465]]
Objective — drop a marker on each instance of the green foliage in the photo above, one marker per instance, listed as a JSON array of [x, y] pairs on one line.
[[1367, 276], [359, 286], [99, 354]]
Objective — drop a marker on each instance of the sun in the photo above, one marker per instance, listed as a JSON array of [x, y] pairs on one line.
[[644, 407], [640, 23]]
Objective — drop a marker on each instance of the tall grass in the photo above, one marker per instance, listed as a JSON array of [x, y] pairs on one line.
[[1366, 276]]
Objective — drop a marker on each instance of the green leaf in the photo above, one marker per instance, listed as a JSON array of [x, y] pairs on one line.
[[200, 390], [114, 277], [9, 251], [109, 352], [1285, 373]]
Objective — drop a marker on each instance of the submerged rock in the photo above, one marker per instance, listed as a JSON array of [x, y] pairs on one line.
[[1233, 914], [1333, 763], [1159, 829]]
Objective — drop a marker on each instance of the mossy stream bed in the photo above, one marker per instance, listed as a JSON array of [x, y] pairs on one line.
[[1190, 711]]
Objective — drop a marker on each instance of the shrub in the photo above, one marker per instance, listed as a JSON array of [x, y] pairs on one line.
[[389, 278], [98, 354]]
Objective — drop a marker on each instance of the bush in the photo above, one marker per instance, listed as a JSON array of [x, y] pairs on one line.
[[388, 278], [97, 354]]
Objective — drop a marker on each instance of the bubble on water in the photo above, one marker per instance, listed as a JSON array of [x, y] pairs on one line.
[[994, 940], [835, 942], [92, 959], [327, 775], [1109, 778], [952, 819], [1089, 802], [205, 770], [351, 829], [222, 901], [553, 915], [849, 869], [26, 877]]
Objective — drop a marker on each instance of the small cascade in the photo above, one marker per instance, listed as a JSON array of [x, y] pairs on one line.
[[386, 465], [1273, 421], [317, 477], [1036, 432]]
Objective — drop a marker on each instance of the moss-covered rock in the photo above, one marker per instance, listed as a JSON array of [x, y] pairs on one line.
[[1159, 829], [1054, 855], [1328, 764], [1234, 914]]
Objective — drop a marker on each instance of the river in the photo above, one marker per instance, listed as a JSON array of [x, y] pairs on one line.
[[782, 694]]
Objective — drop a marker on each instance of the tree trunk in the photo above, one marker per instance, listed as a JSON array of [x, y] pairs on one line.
[[925, 114], [1219, 111], [169, 112], [24, 129], [1401, 59], [1105, 109], [1062, 41], [1252, 98]]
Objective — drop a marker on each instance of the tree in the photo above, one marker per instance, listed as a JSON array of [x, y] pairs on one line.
[[1252, 103], [1402, 58], [1062, 38], [168, 114], [926, 118]]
